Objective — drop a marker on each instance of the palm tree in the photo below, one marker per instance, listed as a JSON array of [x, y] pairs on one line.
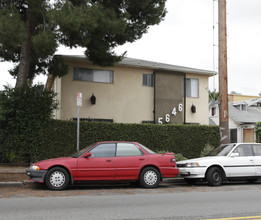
[[213, 96]]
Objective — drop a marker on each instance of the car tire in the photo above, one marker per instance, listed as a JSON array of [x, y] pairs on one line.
[[150, 177], [214, 176], [190, 181], [251, 181], [57, 178]]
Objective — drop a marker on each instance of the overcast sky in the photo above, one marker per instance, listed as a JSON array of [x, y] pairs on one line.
[[186, 38]]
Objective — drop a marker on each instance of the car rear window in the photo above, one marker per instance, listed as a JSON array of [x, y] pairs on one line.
[[257, 149], [147, 149], [127, 149]]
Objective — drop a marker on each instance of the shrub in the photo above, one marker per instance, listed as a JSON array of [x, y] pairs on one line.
[[180, 157], [160, 138], [207, 149], [24, 111], [258, 132]]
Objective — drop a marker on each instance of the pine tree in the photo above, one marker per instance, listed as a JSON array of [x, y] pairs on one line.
[[32, 30]]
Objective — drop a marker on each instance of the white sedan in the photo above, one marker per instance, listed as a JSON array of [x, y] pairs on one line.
[[231, 161]]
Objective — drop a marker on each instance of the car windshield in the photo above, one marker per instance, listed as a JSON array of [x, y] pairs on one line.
[[147, 149], [82, 151], [223, 150]]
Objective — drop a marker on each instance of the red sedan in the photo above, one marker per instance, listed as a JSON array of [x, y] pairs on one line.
[[103, 161]]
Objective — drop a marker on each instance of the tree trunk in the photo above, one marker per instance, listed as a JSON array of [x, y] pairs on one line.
[[25, 55], [49, 82], [23, 66]]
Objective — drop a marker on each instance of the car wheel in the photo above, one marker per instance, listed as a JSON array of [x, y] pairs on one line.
[[150, 177], [57, 178], [214, 176], [190, 181]]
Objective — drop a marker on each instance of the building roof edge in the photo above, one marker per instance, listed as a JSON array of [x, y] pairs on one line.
[[149, 64]]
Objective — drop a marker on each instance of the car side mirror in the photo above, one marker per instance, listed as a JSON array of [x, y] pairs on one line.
[[89, 154], [234, 154]]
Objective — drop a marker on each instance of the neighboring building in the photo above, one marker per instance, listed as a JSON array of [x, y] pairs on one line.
[[133, 91], [239, 97], [243, 116]]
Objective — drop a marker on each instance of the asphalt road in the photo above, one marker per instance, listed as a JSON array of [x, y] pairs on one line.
[[169, 201]]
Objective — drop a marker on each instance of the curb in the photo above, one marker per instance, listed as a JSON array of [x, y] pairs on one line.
[[12, 172], [174, 180], [12, 178], [3, 184], [28, 183], [16, 184]]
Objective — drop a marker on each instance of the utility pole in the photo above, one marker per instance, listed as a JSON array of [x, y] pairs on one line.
[[223, 94]]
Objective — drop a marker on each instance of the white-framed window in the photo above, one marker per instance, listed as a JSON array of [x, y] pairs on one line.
[[93, 75], [241, 107], [147, 80], [192, 88]]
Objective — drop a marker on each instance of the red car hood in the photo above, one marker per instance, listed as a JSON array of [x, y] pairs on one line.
[[68, 162]]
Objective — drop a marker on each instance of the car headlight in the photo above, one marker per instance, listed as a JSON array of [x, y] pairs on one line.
[[192, 164], [34, 167]]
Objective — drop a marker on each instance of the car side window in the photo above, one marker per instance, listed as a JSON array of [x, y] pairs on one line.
[[103, 150], [257, 149], [127, 149], [244, 150]]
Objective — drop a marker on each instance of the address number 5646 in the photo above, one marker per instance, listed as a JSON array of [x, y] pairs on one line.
[[174, 112]]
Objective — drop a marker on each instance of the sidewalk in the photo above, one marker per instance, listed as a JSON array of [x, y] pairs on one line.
[[13, 176]]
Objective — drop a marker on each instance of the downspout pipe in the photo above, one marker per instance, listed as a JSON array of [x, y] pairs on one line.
[[185, 97], [154, 110]]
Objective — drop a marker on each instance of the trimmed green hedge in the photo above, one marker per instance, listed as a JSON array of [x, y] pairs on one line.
[[58, 138]]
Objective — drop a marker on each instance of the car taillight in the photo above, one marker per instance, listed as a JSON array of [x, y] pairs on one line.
[[173, 160]]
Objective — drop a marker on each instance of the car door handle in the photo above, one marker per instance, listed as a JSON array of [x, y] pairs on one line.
[[141, 159], [108, 160]]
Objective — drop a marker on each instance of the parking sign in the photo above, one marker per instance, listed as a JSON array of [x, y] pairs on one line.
[[79, 99]]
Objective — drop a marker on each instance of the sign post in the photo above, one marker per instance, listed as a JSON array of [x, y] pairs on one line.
[[79, 104]]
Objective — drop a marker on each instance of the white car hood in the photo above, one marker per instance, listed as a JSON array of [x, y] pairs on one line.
[[204, 160]]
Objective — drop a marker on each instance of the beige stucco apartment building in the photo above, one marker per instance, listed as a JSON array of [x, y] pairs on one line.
[[133, 91]]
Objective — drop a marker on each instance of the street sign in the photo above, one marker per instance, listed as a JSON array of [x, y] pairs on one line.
[[79, 99]]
